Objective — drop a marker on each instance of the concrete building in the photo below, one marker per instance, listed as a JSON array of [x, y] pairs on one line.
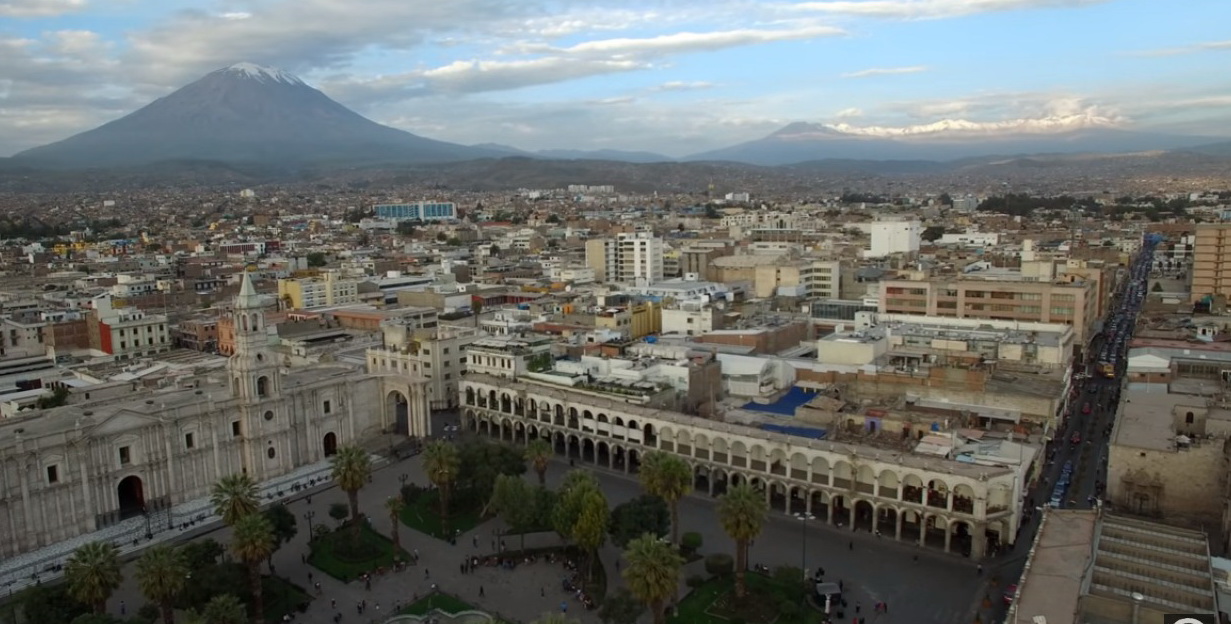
[[508, 356], [893, 237], [135, 461], [1211, 265], [437, 355], [417, 211], [127, 332], [1072, 303], [1099, 568], [330, 289], [629, 258], [928, 500]]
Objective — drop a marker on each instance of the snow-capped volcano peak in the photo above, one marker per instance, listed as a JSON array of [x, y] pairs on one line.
[[262, 73]]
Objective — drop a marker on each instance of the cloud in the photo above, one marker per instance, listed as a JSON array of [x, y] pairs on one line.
[[1060, 115], [931, 9], [848, 113], [1192, 49], [481, 76], [885, 71], [678, 85], [39, 8], [691, 41]]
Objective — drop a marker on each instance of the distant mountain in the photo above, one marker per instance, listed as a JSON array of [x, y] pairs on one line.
[[804, 142], [244, 114], [1212, 149], [605, 154]]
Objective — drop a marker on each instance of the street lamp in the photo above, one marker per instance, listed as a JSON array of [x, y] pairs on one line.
[[309, 515], [803, 551]]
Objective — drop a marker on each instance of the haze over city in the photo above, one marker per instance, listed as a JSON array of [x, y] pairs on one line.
[[673, 78]]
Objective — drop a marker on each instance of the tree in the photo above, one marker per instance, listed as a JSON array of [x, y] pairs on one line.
[[406, 228], [162, 572], [568, 506], [201, 553], [476, 306], [511, 499], [538, 453], [622, 607], [253, 542], [669, 478], [741, 511], [93, 573], [50, 603], [652, 573], [224, 609], [233, 497], [945, 199], [553, 218], [591, 527], [932, 233], [317, 259], [394, 505], [440, 462], [441, 237], [282, 522], [339, 512], [645, 514], [57, 398], [351, 469], [480, 462]]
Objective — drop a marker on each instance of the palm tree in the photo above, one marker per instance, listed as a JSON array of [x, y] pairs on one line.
[[395, 505], [538, 453], [669, 478], [162, 573], [224, 609], [351, 469], [440, 461], [252, 542], [652, 573], [234, 496], [742, 514], [93, 572]]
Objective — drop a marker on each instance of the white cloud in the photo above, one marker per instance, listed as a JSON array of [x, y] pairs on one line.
[[479, 76], [687, 41], [236, 15], [39, 8], [680, 85], [1063, 114], [931, 9], [885, 71], [1192, 49], [848, 113]]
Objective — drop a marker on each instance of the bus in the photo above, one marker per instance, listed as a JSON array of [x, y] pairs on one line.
[[1107, 369]]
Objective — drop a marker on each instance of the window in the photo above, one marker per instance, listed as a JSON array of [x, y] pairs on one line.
[[125, 455], [235, 429], [53, 474], [328, 407], [188, 441], [271, 453], [269, 415]]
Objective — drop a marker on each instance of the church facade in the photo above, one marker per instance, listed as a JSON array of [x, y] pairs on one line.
[[73, 470]]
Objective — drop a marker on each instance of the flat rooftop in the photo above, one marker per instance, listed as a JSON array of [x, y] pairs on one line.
[[1051, 584], [1144, 419]]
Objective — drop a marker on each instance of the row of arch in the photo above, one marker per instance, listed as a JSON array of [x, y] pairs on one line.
[[903, 518]]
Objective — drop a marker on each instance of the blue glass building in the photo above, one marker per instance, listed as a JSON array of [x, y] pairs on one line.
[[417, 211]]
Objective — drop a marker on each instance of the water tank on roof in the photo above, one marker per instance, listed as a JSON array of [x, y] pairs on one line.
[[651, 339]]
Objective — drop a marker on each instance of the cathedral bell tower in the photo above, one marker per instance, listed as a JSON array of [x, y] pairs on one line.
[[254, 373]]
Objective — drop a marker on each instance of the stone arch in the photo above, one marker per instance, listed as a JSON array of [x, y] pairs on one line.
[[506, 403], [818, 501], [574, 446], [938, 494], [588, 450], [587, 415], [865, 479], [958, 537], [778, 462], [559, 419], [886, 520], [999, 498], [739, 454], [493, 402], [963, 499], [469, 396], [865, 515], [262, 386], [619, 422], [602, 418], [602, 453], [397, 410], [820, 470], [559, 443], [574, 418], [648, 437], [912, 488], [506, 429], [329, 444], [843, 474], [130, 492], [470, 420], [519, 432], [887, 483]]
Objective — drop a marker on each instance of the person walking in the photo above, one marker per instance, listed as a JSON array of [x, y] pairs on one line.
[[480, 591]]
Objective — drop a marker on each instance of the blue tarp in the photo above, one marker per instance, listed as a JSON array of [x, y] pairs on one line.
[[803, 432], [784, 406]]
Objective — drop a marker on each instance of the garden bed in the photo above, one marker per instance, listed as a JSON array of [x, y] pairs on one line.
[[341, 556]]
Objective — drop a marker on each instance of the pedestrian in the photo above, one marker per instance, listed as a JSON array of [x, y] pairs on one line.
[[617, 565], [563, 607], [858, 607], [850, 545], [333, 604], [123, 608], [542, 592], [480, 591], [476, 541], [841, 586], [980, 569], [427, 574], [317, 587], [916, 558], [303, 558], [309, 576]]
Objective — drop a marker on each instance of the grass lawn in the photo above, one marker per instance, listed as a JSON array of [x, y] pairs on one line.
[[423, 515], [438, 600], [338, 555], [282, 598], [715, 603]]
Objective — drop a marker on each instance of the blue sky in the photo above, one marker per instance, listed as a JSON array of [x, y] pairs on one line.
[[670, 76]]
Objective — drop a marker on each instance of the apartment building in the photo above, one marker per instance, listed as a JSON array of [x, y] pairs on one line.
[[891, 237], [1071, 302], [507, 356], [417, 211], [329, 289], [1212, 261], [127, 332], [629, 258], [437, 355]]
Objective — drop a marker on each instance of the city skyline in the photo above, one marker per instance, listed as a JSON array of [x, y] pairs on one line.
[[669, 77]]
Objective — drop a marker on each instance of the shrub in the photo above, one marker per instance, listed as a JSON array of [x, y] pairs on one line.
[[788, 609], [719, 564], [691, 542], [695, 581]]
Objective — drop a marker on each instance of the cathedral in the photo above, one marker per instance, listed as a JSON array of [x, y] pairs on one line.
[[120, 450]]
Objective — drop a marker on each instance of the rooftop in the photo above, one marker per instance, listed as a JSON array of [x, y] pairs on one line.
[[1051, 585]]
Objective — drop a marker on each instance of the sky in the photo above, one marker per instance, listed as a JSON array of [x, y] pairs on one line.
[[673, 77]]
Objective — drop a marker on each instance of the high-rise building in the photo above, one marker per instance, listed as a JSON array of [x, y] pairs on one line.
[[315, 292], [891, 237], [1212, 261], [629, 258], [417, 211]]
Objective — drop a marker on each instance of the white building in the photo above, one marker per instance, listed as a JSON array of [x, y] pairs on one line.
[[971, 239], [892, 237], [691, 319], [129, 332], [504, 356], [635, 258], [437, 355]]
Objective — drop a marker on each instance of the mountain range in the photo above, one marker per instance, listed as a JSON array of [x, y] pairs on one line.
[[257, 116]]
